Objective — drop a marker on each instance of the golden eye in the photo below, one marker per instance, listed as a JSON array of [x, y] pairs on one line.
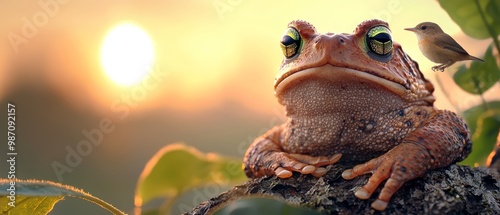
[[291, 42], [378, 40]]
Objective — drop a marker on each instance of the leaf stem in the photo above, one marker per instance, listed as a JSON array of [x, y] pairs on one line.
[[478, 88], [493, 35], [42, 188], [167, 205], [102, 203], [446, 94], [491, 31]]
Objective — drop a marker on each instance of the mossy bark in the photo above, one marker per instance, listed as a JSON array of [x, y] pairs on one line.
[[452, 190]]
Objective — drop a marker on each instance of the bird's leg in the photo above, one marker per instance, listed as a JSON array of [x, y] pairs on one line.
[[441, 67], [438, 67]]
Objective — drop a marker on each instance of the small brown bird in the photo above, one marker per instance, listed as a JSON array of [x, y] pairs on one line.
[[438, 46]]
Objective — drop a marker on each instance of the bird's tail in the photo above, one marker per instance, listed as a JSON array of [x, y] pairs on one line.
[[475, 58]]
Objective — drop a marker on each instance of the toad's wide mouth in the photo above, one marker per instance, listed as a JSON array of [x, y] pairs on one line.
[[336, 74]]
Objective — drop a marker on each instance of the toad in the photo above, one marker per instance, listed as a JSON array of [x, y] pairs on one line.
[[361, 100]]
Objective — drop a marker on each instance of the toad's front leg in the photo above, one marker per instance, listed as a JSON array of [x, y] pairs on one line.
[[444, 139], [266, 157]]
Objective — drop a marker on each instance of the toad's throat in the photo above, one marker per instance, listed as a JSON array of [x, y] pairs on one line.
[[336, 74]]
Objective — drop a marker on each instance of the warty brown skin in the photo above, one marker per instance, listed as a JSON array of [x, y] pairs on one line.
[[343, 103]]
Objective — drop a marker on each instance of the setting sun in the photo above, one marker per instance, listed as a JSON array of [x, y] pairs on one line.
[[127, 54]]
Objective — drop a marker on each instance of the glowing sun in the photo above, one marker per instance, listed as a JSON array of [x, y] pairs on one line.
[[127, 54]]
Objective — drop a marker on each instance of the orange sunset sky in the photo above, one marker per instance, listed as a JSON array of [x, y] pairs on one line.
[[211, 69]]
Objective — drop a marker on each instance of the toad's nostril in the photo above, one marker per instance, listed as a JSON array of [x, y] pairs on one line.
[[340, 38], [317, 39]]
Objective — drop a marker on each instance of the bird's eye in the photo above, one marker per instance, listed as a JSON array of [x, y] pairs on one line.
[[423, 27], [378, 41], [291, 42]]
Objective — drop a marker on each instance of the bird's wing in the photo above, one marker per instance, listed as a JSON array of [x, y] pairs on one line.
[[448, 42]]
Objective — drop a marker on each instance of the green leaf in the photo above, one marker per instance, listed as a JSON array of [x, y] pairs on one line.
[[39, 197], [177, 168], [493, 11], [480, 76], [29, 205], [466, 14], [484, 124], [262, 206]]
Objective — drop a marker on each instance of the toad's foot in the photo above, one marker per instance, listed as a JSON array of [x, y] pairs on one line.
[[284, 164], [429, 147], [266, 157], [395, 166]]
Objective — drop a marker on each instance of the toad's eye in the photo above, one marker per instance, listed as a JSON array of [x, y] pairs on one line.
[[291, 42], [378, 40]]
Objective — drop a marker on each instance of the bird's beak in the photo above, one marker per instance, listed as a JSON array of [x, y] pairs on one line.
[[411, 29]]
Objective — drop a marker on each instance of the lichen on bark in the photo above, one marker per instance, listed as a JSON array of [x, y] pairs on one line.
[[451, 190]]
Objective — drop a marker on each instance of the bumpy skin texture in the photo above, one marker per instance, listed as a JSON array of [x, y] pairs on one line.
[[341, 102]]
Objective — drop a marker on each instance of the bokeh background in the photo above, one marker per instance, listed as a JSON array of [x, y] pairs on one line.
[[215, 63]]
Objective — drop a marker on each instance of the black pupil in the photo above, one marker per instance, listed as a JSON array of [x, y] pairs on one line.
[[287, 40], [423, 27], [382, 37]]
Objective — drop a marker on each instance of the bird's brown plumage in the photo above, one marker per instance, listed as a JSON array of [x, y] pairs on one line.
[[438, 46]]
